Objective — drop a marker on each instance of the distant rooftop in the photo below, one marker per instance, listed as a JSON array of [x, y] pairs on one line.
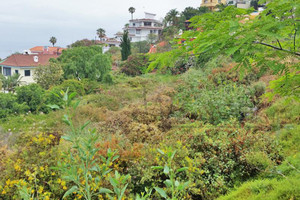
[[23, 60]]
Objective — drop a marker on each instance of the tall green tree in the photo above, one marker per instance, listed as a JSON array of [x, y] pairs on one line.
[[101, 33], [131, 10], [49, 75], [85, 62], [53, 40], [172, 18], [125, 46]]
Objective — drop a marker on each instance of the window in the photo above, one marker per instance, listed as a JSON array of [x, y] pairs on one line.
[[133, 24], [147, 23], [138, 31], [219, 1], [151, 31], [6, 71], [27, 72]]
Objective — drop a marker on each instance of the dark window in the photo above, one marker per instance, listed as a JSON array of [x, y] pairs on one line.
[[17, 71], [133, 24], [6, 71], [27, 72], [138, 31], [147, 23]]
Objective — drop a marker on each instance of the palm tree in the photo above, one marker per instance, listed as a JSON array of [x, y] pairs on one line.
[[101, 33], [131, 10], [53, 40], [172, 17], [9, 83]]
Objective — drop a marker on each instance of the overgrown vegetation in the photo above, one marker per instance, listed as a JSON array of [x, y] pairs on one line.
[[201, 127]]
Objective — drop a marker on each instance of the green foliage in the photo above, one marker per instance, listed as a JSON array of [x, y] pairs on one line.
[[247, 41], [10, 83], [152, 38], [73, 85], [53, 40], [9, 105], [287, 85], [283, 112], [135, 65], [101, 32], [81, 43], [50, 75], [176, 187], [190, 12], [268, 189], [215, 105], [33, 96], [119, 183], [140, 47], [85, 62], [125, 46], [289, 138], [89, 86]]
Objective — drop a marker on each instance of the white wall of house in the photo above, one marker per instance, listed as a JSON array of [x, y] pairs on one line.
[[139, 29], [26, 74]]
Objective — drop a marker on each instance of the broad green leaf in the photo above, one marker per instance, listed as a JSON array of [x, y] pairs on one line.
[[53, 106], [166, 169], [157, 167], [168, 183], [105, 191], [161, 192], [70, 191], [181, 169]]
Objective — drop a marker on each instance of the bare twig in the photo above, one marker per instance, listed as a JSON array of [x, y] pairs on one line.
[[277, 48]]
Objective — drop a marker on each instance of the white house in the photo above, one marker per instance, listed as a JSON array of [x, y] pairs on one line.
[[24, 64], [139, 29]]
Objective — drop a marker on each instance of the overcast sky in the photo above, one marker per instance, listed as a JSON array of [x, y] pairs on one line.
[[28, 23]]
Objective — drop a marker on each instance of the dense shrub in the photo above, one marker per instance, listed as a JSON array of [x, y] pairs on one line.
[[135, 65], [215, 105], [9, 105], [29, 166], [72, 84], [33, 96], [182, 65], [268, 189], [90, 86]]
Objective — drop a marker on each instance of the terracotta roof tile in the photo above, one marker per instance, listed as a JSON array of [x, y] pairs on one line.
[[51, 50], [22, 60]]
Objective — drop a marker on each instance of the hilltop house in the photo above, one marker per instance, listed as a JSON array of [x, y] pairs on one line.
[[139, 29], [211, 4], [45, 50], [24, 64]]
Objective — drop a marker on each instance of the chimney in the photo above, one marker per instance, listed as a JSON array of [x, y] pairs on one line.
[[45, 50]]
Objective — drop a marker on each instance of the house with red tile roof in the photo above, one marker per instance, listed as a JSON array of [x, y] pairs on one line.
[[24, 64], [46, 50]]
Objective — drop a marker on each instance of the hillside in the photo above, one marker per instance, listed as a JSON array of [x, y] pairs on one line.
[[213, 116]]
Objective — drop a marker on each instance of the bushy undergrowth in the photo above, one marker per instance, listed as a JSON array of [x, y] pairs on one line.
[[221, 132]]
